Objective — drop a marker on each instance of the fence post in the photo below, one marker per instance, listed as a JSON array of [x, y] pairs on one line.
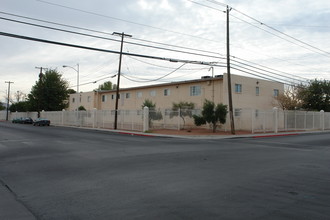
[[94, 116], [275, 117], [145, 119], [63, 110], [253, 112], [179, 119], [322, 120]]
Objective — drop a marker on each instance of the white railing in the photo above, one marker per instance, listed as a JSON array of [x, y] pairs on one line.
[[255, 121]]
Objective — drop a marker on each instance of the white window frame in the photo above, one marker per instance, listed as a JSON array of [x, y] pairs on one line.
[[104, 98], [195, 90], [238, 88], [153, 93], [257, 90], [167, 92], [238, 112]]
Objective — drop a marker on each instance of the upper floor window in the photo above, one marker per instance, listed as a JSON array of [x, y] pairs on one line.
[[166, 92], [257, 90], [88, 99], [195, 90], [128, 95], [113, 96], [104, 98], [139, 94], [153, 93], [73, 100], [276, 92], [238, 88]]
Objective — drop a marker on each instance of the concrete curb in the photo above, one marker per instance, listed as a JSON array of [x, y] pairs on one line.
[[142, 134]]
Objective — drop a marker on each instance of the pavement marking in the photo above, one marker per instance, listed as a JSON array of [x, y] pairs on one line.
[[16, 140]]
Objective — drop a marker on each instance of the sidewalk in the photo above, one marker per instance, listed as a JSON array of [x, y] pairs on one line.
[[210, 136]]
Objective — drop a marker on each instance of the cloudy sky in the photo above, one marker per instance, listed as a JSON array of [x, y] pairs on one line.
[[284, 40]]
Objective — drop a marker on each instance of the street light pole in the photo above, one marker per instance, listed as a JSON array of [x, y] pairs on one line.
[[118, 75], [77, 70], [8, 98]]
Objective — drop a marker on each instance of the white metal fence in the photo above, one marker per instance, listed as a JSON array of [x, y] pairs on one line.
[[255, 121]]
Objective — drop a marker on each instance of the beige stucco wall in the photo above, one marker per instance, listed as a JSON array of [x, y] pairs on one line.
[[211, 89], [86, 99], [248, 99]]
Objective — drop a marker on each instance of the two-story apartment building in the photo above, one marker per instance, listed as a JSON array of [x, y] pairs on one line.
[[247, 92]]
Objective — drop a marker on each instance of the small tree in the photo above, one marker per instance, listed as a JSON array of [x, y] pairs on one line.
[[212, 114], [2, 106], [107, 86], [184, 108], [19, 107], [316, 95], [289, 100], [50, 93], [81, 108], [153, 114]]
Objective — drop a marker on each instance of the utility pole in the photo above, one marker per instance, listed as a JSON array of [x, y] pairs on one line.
[[40, 94], [118, 75], [8, 98], [230, 98]]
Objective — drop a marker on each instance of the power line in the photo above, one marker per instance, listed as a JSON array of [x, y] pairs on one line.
[[123, 20], [153, 80], [206, 6], [324, 53], [103, 37], [103, 50], [109, 51], [165, 67], [277, 74], [278, 31], [106, 33]]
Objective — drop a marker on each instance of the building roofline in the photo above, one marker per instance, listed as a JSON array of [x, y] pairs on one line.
[[218, 77]]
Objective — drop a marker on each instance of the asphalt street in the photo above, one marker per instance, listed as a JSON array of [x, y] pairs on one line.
[[68, 173]]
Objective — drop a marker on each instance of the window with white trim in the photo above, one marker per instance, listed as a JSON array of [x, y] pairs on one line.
[[238, 88], [237, 112], [166, 92], [139, 94], [104, 98], [195, 90], [153, 93], [257, 90]]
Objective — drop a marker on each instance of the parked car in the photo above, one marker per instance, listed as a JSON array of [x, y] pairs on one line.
[[26, 121], [17, 120], [41, 122]]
